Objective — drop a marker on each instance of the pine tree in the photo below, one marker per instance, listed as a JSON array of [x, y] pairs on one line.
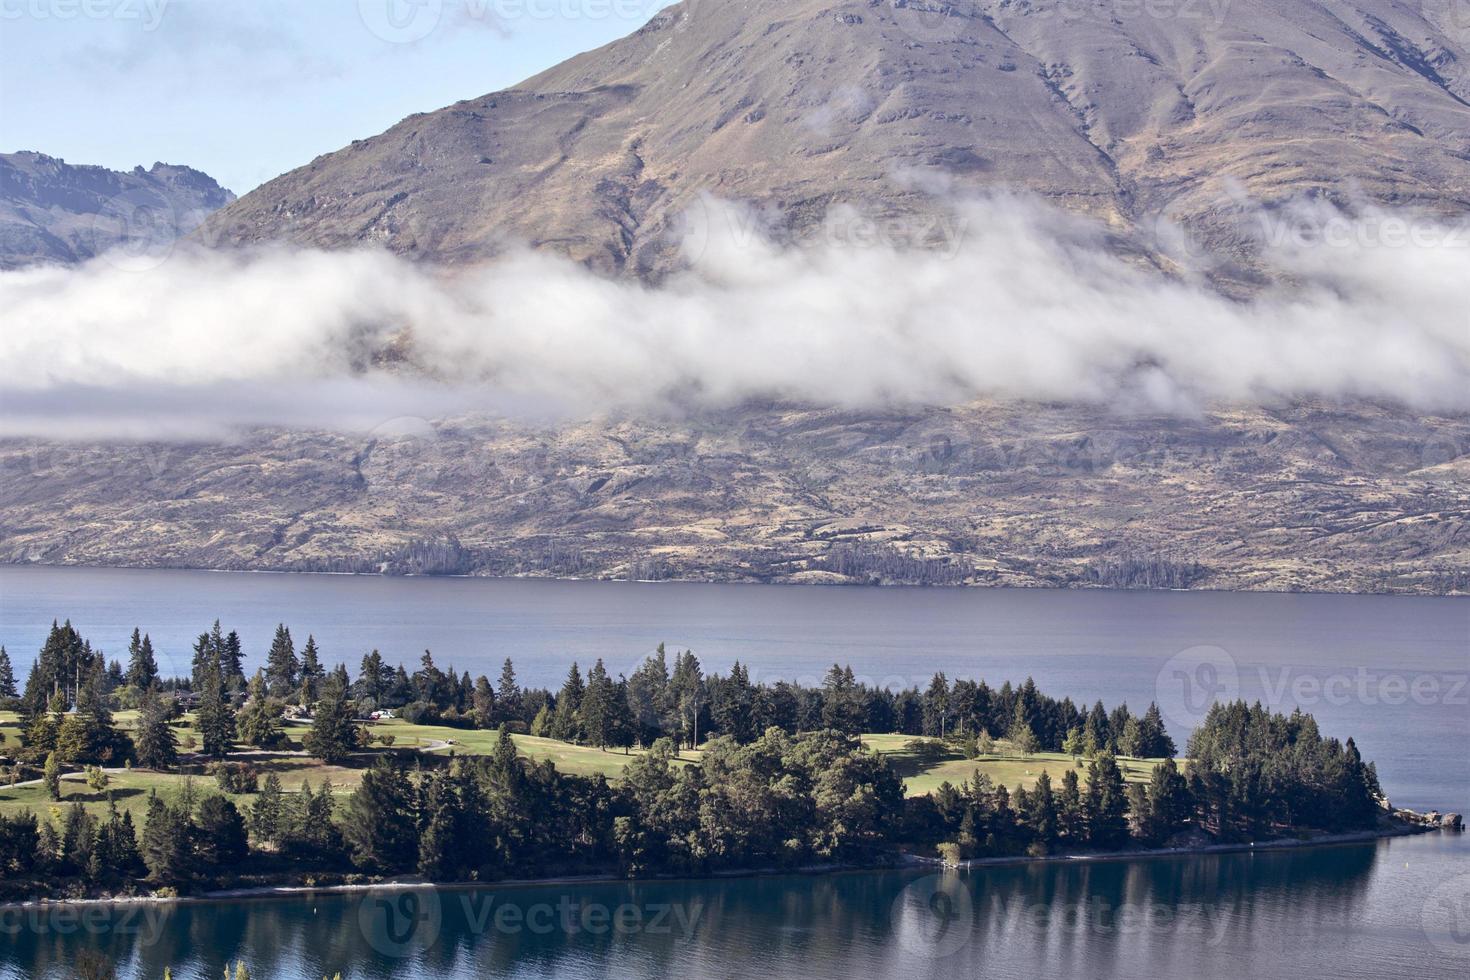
[[215, 719], [508, 694], [43, 728], [166, 847], [1074, 744], [334, 733], [232, 660], [624, 726], [1169, 802], [65, 659], [157, 747], [648, 698], [733, 709], [220, 832], [88, 734], [282, 667], [311, 665], [440, 840], [1071, 821], [51, 776], [379, 824], [1095, 735], [1154, 740], [1130, 739], [268, 812], [596, 712], [7, 677], [936, 707], [373, 679], [1022, 737], [1106, 803], [564, 720], [484, 703], [1360, 790], [1042, 815], [142, 665], [117, 844], [1139, 815], [259, 721], [689, 694]]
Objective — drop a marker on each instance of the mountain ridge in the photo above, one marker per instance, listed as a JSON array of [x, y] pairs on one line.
[[1310, 497], [798, 106], [55, 212]]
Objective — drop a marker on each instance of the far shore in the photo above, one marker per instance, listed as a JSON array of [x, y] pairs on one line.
[[901, 861], [1077, 586]]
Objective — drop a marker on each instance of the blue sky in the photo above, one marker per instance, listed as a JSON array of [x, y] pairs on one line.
[[248, 89]]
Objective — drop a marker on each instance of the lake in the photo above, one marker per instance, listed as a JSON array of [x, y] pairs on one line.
[[1361, 911], [1390, 671]]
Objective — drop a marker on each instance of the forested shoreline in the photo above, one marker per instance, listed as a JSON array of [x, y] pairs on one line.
[[722, 774]]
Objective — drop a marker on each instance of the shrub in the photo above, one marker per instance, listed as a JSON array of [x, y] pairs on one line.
[[417, 713], [96, 779], [235, 777]]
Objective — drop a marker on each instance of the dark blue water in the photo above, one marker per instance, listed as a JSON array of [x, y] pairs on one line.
[[1387, 909]]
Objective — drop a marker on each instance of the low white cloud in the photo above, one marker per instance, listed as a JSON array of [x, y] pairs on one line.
[[1009, 300]]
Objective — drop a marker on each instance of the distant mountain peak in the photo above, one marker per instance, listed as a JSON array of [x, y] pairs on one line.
[[55, 212], [1132, 116]]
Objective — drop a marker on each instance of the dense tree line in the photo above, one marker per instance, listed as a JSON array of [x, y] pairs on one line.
[[1145, 572], [1253, 772], [663, 698], [782, 779]]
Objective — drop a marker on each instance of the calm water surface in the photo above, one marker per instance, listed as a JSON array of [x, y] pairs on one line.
[[1362, 911]]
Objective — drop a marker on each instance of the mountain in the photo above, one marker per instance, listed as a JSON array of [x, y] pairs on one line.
[[1128, 112], [1143, 115], [56, 212], [1312, 497]]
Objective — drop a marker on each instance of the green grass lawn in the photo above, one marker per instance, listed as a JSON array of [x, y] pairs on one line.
[[922, 776], [578, 760], [10, 728], [130, 788]]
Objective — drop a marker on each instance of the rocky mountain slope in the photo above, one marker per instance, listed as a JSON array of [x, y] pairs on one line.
[[56, 212], [1134, 113], [1142, 115], [1313, 497]]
